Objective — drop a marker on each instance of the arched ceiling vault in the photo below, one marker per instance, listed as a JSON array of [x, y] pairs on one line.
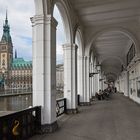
[[111, 46], [111, 49]]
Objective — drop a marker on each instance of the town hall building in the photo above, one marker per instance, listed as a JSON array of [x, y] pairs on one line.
[[15, 72]]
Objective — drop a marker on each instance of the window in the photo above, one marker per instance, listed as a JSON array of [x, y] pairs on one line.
[[3, 48], [3, 62], [131, 54]]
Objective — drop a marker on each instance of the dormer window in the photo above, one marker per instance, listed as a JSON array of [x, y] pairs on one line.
[[3, 48]]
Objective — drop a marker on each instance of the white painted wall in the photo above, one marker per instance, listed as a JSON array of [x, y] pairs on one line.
[[134, 77]]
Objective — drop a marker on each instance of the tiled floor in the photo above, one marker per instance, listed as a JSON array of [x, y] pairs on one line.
[[115, 119]]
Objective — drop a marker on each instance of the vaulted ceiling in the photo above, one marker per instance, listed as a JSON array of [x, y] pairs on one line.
[[111, 46], [101, 12]]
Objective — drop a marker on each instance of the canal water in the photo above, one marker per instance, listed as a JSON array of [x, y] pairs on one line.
[[15, 103]]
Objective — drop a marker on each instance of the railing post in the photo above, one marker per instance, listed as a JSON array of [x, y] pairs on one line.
[[78, 99], [38, 119], [65, 106]]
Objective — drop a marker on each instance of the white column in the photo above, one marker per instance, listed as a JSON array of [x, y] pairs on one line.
[[84, 75], [126, 84], [90, 80], [88, 84], [70, 77], [94, 87], [86, 81], [80, 79], [94, 82], [44, 68], [98, 82]]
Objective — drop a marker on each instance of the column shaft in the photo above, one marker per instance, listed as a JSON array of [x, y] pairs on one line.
[[44, 69], [70, 77], [80, 79], [86, 82]]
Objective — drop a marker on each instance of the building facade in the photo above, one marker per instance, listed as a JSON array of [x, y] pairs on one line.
[[15, 73], [60, 78]]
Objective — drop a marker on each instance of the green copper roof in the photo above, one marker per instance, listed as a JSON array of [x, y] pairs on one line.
[[6, 38], [20, 62]]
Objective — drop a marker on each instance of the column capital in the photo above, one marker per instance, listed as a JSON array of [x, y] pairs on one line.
[[37, 19], [49, 19], [91, 63], [69, 46], [41, 19], [80, 57], [86, 57]]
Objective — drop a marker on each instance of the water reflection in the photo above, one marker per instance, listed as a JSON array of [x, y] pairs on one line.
[[15, 103], [20, 102]]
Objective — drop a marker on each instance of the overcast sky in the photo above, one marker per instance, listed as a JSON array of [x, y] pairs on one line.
[[19, 13]]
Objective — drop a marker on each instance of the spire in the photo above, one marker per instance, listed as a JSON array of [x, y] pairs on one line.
[[15, 53], [6, 31], [6, 20]]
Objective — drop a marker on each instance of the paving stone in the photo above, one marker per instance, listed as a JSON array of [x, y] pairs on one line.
[[115, 119]]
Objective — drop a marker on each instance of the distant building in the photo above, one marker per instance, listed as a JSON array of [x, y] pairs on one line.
[[14, 72], [60, 77], [20, 74]]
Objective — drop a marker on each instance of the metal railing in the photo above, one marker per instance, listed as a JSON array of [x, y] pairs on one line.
[[60, 106], [15, 91], [20, 125]]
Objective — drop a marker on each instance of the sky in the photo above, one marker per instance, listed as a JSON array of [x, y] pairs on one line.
[[19, 13]]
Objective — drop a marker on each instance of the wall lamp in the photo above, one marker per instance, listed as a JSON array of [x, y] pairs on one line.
[[98, 68], [101, 79]]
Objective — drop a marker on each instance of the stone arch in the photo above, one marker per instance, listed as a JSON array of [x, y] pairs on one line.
[[124, 31], [92, 56], [78, 40], [95, 61], [42, 7], [79, 35], [66, 18]]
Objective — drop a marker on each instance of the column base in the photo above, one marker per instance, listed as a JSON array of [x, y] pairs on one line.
[[72, 111], [85, 103], [48, 128]]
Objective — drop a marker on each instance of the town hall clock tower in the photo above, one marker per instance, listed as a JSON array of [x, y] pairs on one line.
[[6, 50]]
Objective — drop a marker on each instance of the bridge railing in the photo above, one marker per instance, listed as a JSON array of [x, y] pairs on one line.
[[60, 106], [20, 125]]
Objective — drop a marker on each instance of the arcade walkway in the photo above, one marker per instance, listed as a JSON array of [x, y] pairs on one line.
[[116, 119]]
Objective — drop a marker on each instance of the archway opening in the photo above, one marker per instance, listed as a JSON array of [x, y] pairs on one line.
[[79, 43], [117, 52], [60, 40], [112, 48], [16, 56]]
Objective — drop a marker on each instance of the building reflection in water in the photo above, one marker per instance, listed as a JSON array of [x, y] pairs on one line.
[[15, 103]]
